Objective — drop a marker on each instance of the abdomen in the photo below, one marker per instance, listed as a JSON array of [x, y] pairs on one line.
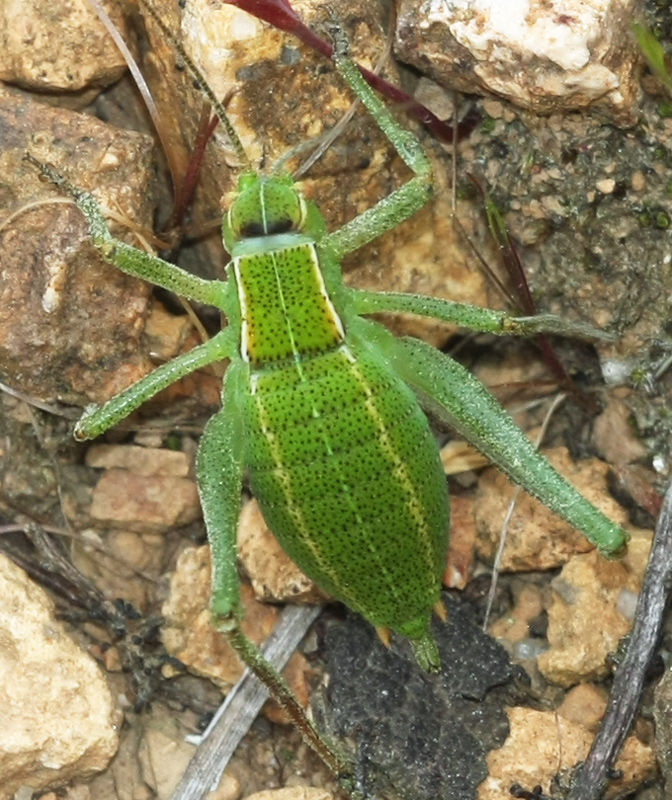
[[348, 477]]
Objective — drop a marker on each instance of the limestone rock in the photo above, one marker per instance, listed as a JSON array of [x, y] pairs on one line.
[[228, 789], [514, 627], [57, 717], [585, 704], [139, 460], [541, 743], [273, 574], [62, 47], [144, 503], [592, 609], [163, 753], [188, 633], [537, 539], [545, 56], [292, 793], [615, 436]]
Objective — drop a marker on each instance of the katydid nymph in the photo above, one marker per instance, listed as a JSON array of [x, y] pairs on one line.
[[324, 409]]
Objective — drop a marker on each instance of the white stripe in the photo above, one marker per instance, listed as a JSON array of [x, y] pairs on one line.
[[262, 203], [295, 510], [242, 301], [413, 503], [335, 319]]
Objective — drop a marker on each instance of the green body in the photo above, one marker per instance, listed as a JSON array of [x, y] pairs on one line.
[[342, 460], [338, 452]]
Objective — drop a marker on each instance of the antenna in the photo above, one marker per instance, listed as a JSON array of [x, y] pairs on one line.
[[202, 84]]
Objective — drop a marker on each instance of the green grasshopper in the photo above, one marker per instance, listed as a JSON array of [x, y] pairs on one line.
[[323, 409]]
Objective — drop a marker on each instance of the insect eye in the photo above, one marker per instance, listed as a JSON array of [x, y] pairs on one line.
[[281, 226], [255, 228], [250, 230], [267, 206]]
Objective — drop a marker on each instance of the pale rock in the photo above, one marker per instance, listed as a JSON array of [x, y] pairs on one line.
[[66, 50], [145, 461], [228, 789], [78, 313], [131, 548], [541, 743], [57, 717], [163, 753], [606, 185], [166, 333], [144, 503], [112, 562], [513, 629], [514, 626], [461, 543], [77, 792], [458, 456], [493, 108], [435, 98], [544, 56], [585, 624], [149, 437], [112, 660], [188, 633], [292, 793], [585, 705], [614, 435], [273, 574], [537, 539], [123, 779]]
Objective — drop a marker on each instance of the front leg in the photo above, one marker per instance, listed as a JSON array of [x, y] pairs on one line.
[[129, 259], [98, 419], [403, 202]]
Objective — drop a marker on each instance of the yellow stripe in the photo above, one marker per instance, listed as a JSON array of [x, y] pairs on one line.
[[331, 320], [296, 511], [406, 487], [414, 502]]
